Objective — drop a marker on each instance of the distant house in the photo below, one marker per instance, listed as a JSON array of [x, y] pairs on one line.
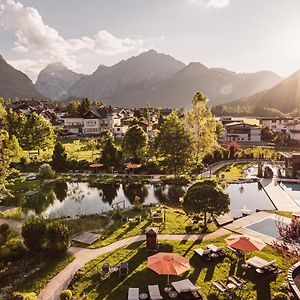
[[293, 129], [73, 125], [276, 124], [98, 120], [291, 164], [242, 132]]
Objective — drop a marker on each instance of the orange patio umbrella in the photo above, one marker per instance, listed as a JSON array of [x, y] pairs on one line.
[[168, 264], [133, 166], [245, 242], [96, 165]]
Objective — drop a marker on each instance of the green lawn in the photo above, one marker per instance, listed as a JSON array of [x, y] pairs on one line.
[[176, 222], [38, 280], [90, 286], [232, 171]]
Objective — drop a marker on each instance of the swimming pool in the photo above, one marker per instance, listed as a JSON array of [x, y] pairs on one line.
[[247, 197], [268, 226], [293, 190]]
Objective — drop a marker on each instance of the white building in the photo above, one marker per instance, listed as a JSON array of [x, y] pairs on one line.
[[276, 124], [241, 132], [73, 125], [293, 129]]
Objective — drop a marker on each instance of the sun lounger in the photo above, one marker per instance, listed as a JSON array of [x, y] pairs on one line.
[[214, 248], [260, 263], [133, 293], [154, 292], [204, 253], [184, 285], [221, 287], [237, 281]]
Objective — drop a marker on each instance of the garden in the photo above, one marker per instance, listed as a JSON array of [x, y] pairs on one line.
[[88, 283]]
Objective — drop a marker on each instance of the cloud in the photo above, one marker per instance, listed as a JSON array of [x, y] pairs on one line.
[[211, 3], [38, 39]]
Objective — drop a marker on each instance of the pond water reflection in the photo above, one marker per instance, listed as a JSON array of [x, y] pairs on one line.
[[71, 199]]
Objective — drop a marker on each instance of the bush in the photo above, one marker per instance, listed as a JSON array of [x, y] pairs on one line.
[[12, 250], [25, 296], [4, 227], [46, 172], [280, 296], [65, 295], [117, 215], [57, 236]]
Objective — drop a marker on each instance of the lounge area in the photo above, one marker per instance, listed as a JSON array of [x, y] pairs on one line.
[[213, 279]]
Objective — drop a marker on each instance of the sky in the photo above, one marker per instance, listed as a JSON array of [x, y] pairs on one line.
[[239, 35]]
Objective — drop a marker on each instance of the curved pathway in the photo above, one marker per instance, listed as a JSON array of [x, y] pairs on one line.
[[83, 256]]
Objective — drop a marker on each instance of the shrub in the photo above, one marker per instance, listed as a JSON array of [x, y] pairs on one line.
[[46, 172], [117, 215], [4, 227], [280, 296], [25, 296], [57, 236], [12, 250], [65, 295], [34, 234]]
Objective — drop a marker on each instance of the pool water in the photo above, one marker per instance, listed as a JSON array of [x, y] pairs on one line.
[[268, 226], [247, 197], [293, 190]]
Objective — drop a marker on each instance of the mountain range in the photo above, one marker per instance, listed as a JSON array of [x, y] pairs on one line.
[[14, 83], [55, 80], [284, 96], [150, 78]]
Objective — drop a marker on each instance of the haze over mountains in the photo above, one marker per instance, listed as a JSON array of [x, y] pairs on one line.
[[149, 78], [285, 96]]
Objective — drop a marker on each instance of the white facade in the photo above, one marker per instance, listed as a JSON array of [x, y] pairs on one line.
[[73, 125], [276, 124], [241, 132], [293, 129]]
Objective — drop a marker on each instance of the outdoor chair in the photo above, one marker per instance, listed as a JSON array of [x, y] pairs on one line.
[[105, 269], [154, 292], [238, 253], [123, 269], [222, 288], [183, 286], [237, 281], [133, 293], [203, 253]]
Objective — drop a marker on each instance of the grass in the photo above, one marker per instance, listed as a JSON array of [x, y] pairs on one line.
[[38, 280], [90, 286], [14, 213], [287, 214], [232, 171], [176, 222]]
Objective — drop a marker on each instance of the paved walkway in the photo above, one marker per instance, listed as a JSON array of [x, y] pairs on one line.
[[278, 196], [13, 224], [83, 256]]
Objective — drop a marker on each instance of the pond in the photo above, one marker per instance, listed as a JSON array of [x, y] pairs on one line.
[[72, 199]]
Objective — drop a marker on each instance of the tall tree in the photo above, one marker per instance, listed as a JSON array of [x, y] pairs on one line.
[[59, 158], [9, 150], [16, 124], [111, 155], [135, 143], [39, 133], [3, 114], [173, 145], [202, 127], [73, 109], [206, 197], [84, 107]]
